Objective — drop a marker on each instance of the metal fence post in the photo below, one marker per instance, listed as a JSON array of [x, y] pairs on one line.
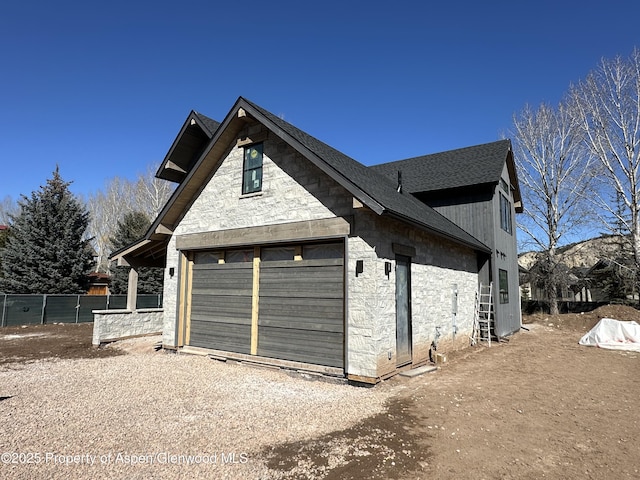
[[44, 305], [78, 309], [4, 309]]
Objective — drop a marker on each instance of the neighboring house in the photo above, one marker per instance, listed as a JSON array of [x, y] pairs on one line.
[[573, 284], [98, 283], [280, 249], [608, 279], [595, 270]]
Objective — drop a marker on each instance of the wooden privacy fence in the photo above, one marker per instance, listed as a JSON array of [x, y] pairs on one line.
[[40, 309]]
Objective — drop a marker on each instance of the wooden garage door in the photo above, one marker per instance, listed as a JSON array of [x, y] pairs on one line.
[[221, 301], [301, 307]]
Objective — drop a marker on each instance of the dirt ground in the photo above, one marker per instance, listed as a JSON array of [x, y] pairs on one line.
[[536, 406], [59, 340]]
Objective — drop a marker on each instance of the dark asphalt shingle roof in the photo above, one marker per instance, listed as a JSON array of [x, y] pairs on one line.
[[373, 184], [374, 189], [451, 169], [209, 123]]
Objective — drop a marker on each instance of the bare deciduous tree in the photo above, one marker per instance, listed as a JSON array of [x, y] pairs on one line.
[[608, 102], [120, 197], [151, 193], [8, 207], [554, 172]]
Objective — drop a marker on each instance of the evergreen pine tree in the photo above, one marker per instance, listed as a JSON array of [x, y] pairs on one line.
[[46, 251], [4, 234], [131, 228]]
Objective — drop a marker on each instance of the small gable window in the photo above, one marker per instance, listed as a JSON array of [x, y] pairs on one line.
[[252, 170]]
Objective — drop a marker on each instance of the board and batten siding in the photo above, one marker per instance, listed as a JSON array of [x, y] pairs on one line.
[[478, 213], [505, 253], [470, 210]]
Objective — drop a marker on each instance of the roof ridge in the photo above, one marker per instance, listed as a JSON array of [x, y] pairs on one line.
[[380, 188]]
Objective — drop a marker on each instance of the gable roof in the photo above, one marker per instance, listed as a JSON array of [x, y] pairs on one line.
[[371, 188], [194, 136], [209, 123], [463, 167]]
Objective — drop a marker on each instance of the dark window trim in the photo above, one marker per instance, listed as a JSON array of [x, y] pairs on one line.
[[247, 172], [506, 222], [503, 286]]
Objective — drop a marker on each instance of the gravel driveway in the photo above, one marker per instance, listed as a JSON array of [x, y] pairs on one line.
[[158, 415]]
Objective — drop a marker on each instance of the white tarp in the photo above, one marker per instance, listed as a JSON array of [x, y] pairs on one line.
[[614, 334]]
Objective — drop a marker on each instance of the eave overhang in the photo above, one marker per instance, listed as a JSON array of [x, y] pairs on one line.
[[515, 184], [185, 149], [470, 242], [152, 247]]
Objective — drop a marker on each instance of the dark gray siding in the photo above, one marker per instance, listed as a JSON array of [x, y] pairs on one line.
[[221, 306], [505, 254], [470, 209], [301, 313], [477, 210]]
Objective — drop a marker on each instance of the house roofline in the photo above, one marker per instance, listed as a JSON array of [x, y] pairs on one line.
[[162, 228], [477, 245]]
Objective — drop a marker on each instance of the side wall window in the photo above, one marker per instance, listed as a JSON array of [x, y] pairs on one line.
[[505, 214], [252, 170], [504, 286]]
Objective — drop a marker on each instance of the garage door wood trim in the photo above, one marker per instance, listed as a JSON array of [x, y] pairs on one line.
[[285, 232]]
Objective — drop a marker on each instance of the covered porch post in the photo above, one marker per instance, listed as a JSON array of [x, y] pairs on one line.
[[132, 289]]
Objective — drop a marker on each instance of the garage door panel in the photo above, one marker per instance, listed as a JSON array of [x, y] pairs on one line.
[[227, 267], [302, 288], [324, 348], [204, 306], [213, 303], [297, 323], [300, 304], [301, 281], [221, 307], [225, 283], [275, 272], [220, 319], [222, 280], [301, 314], [221, 336], [301, 317], [299, 307]]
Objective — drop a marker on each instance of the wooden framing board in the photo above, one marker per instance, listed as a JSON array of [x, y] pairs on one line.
[[285, 232], [187, 296], [255, 301], [181, 300]]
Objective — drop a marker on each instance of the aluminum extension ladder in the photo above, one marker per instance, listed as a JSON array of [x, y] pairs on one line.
[[483, 318]]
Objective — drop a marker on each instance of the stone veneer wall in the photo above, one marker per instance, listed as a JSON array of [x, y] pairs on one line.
[[111, 325], [293, 190], [437, 266]]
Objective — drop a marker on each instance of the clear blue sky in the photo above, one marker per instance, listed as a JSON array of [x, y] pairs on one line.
[[102, 88]]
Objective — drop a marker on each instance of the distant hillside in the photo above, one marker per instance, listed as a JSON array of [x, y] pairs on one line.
[[582, 254]]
